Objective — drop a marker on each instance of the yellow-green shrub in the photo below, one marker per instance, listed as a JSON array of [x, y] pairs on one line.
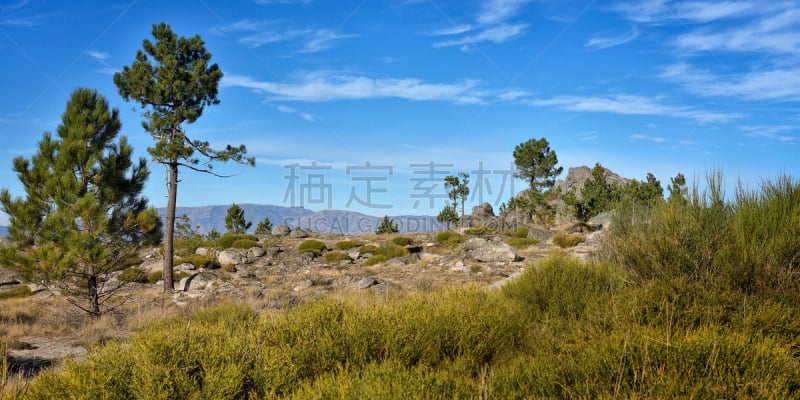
[[19, 291], [564, 240], [133, 274], [311, 245], [199, 261], [244, 244], [448, 239], [521, 243], [375, 259], [401, 241], [336, 256], [347, 244]]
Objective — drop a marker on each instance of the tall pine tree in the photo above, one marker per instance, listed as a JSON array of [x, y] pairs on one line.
[[82, 217], [174, 81]]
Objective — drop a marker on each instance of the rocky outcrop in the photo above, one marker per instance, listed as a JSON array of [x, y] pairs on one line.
[[490, 251], [577, 176], [281, 230]]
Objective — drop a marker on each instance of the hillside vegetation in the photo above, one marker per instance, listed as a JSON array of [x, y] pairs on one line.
[[695, 297]]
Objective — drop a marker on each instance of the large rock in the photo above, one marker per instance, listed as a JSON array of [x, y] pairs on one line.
[[298, 233], [230, 256], [281, 230], [8, 278], [495, 252], [577, 176], [200, 281], [485, 250], [484, 210]]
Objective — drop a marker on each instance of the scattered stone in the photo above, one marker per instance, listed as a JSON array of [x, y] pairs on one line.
[[298, 233], [202, 251], [303, 285], [281, 230], [230, 256]]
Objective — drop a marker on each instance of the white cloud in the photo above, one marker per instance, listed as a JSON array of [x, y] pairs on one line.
[[631, 105], [775, 84], [98, 55], [455, 30], [654, 139], [329, 87], [776, 34], [604, 42], [490, 25], [511, 95], [497, 34], [323, 39], [290, 110], [775, 132], [257, 33], [661, 11], [497, 11]]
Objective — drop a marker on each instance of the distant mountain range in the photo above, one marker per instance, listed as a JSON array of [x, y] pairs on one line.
[[326, 221]]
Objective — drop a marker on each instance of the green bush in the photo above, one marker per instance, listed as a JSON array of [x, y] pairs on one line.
[[336, 256], [312, 245], [227, 240], [564, 240], [391, 250], [402, 241], [198, 261], [244, 244], [521, 243], [376, 259], [19, 291], [133, 274], [448, 239], [521, 232], [347, 244], [368, 249], [478, 231], [156, 276]]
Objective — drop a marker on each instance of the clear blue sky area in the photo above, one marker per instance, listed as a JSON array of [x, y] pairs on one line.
[[367, 105]]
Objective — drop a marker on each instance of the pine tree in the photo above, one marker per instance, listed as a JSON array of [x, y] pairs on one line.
[[82, 217], [536, 163], [175, 88], [264, 227], [235, 221], [386, 226], [448, 215], [458, 189]]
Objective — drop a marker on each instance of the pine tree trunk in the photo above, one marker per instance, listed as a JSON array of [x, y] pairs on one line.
[[94, 297], [169, 229]]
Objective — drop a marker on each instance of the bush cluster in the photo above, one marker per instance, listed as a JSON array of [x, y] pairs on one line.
[[565, 240], [448, 239], [402, 241], [199, 261], [313, 246], [133, 274], [521, 243], [336, 256], [227, 240], [347, 244]]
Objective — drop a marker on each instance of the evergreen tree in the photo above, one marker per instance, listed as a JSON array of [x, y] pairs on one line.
[[234, 220], [458, 189], [82, 217], [597, 195], [386, 226], [174, 88], [264, 227], [536, 163], [678, 191], [447, 216]]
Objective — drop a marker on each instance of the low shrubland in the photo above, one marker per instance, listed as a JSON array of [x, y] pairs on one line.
[[311, 245], [693, 298], [565, 240]]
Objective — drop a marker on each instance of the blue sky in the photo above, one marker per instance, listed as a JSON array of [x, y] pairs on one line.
[[367, 105]]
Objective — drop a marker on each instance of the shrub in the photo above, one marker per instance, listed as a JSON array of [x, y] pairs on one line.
[[368, 249], [448, 239], [230, 267], [312, 245], [520, 232], [402, 241], [158, 275], [336, 256], [392, 250], [521, 243], [347, 244], [376, 259], [478, 231], [564, 240], [133, 274], [19, 291], [199, 261], [227, 240], [244, 244]]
